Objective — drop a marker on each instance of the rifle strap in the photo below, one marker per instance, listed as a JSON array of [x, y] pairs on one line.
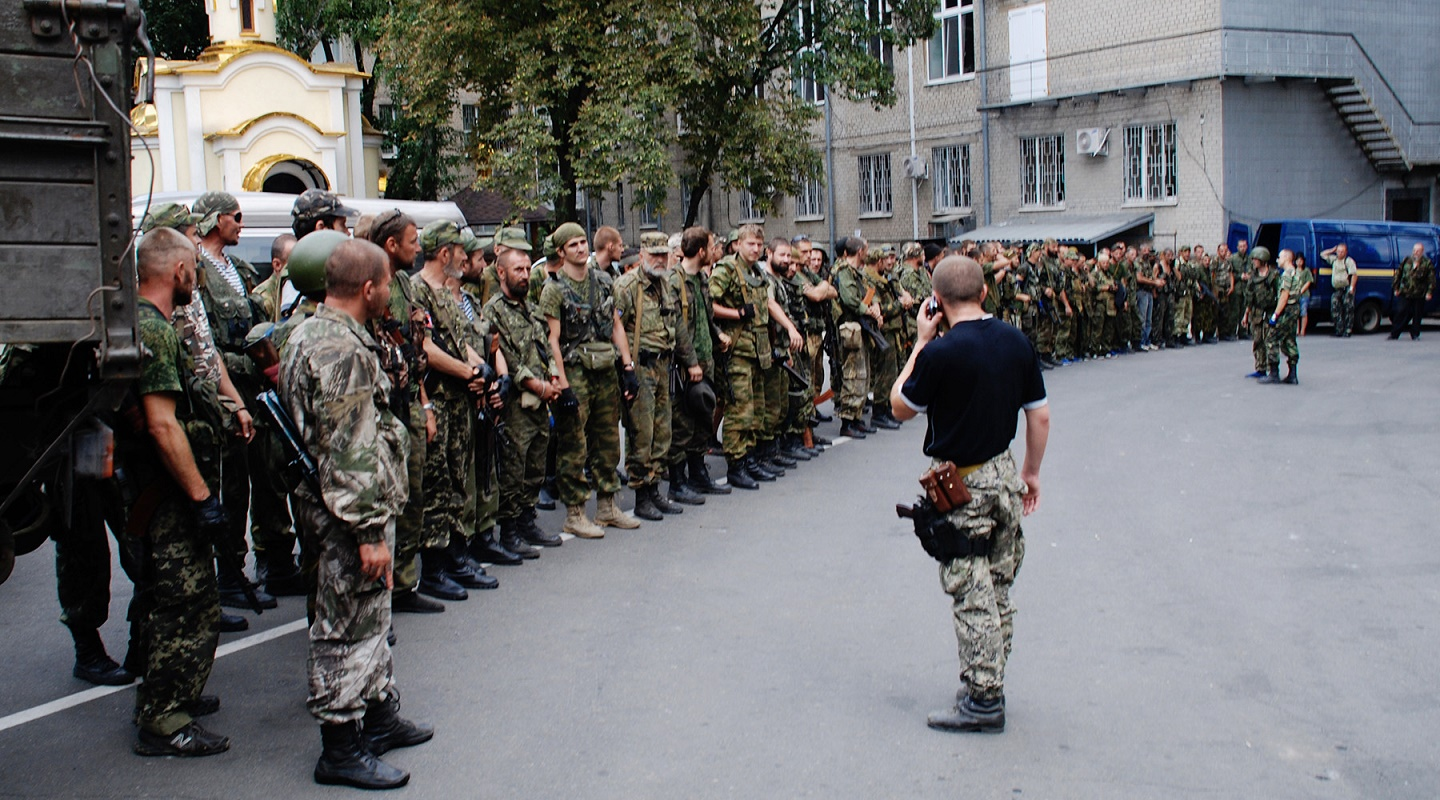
[[639, 311]]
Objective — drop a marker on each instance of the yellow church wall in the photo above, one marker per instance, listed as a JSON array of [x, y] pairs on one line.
[[261, 89]]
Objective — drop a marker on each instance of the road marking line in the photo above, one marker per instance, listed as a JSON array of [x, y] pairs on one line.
[[95, 693]]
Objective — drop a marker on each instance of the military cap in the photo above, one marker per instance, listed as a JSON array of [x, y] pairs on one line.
[[655, 242], [566, 233], [1051, 240], [306, 266], [318, 204], [168, 215], [629, 257], [887, 249], [469, 241], [438, 234], [1261, 254], [210, 206], [700, 400], [912, 250], [1032, 249], [733, 236], [513, 238]]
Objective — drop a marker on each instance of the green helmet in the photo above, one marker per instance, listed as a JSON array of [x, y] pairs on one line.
[[1261, 254], [307, 260]]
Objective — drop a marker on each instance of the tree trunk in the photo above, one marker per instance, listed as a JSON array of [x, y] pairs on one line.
[[367, 88], [329, 51], [698, 191]]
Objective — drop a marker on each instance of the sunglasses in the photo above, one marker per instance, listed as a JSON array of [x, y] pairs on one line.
[[237, 216]]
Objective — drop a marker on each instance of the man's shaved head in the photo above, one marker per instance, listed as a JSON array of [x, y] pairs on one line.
[[352, 265], [958, 279]]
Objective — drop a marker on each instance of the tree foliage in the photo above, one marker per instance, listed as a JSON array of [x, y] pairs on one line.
[[301, 27], [178, 29]]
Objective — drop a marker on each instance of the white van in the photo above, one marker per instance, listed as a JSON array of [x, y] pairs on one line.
[[267, 215]]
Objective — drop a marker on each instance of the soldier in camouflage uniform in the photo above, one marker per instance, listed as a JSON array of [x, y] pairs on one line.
[[176, 515], [691, 425], [334, 387], [1240, 266], [1285, 322], [914, 279], [1224, 280], [978, 373], [800, 405], [507, 238], [883, 364], [1414, 285], [453, 385], [743, 307], [1262, 287], [1207, 308], [854, 355], [579, 309], [649, 312], [1184, 298], [526, 348]]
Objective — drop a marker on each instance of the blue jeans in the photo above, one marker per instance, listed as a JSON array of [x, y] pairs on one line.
[[1144, 302]]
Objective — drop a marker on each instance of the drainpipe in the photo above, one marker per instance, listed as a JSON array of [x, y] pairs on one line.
[[984, 97], [914, 182], [829, 174]]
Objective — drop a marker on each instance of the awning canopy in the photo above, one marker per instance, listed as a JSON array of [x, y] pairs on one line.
[[1064, 228]]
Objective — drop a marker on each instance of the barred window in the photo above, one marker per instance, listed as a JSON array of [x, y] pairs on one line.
[[1150, 163], [649, 214], [809, 25], [951, 176], [469, 118], [748, 212], [810, 200], [875, 184], [1042, 171]]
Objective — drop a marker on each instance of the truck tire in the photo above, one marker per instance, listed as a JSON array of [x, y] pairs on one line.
[[1367, 316]]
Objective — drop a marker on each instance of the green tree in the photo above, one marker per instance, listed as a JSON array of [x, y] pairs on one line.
[[178, 29], [301, 27]]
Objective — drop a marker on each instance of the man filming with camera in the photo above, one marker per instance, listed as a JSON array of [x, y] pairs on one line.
[[971, 382]]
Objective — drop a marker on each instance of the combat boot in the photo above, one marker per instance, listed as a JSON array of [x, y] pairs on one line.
[[852, 429], [462, 570], [577, 523], [645, 507], [93, 664], [279, 575], [232, 593], [776, 456], [1292, 375], [410, 601], [345, 761], [433, 580], [680, 491], [511, 540], [792, 448], [970, 716], [607, 512], [882, 419], [487, 548], [662, 502], [700, 479], [757, 469], [738, 475], [384, 729], [1272, 375], [532, 533]]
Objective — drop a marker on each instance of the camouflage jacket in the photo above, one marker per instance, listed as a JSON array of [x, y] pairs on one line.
[[523, 338], [333, 386], [1262, 292], [167, 367], [1414, 281], [230, 313], [448, 328], [734, 283], [656, 300]]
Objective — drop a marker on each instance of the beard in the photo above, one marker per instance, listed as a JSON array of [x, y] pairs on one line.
[[183, 296]]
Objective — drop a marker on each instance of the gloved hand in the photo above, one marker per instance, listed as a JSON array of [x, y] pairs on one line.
[[211, 517], [747, 311], [1271, 322], [568, 402], [629, 384]]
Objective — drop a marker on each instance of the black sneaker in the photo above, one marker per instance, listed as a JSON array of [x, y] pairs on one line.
[[412, 602], [202, 706], [191, 741]]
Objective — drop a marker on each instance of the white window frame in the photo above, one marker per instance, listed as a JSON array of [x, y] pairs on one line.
[[1042, 171], [1151, 164], [877, 198], [950, 176], [748, 212], [809, 89], [649, 215], [879, 11], [810, 200], [951, 18]]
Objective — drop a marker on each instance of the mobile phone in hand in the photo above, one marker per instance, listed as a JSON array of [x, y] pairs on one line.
[[931, 308]]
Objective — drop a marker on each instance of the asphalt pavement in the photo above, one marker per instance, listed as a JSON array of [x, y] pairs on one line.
[[1230, 591]]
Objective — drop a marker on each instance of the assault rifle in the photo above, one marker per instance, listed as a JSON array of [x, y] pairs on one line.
[[294, 446]]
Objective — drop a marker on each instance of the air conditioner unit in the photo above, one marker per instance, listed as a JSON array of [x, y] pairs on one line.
[[1092, 141], [917, 168]]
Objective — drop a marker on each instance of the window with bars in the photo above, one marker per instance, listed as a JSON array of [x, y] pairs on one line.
[[619, 205], [878, 12], [386, 115], [950, 175], [650, 213], [748, 211], [875, 195], [1150, 163], [1042, 171], [810, 200], [952, 48], [469, 118]]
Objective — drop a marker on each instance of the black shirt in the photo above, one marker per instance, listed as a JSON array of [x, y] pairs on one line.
[[972, 384]]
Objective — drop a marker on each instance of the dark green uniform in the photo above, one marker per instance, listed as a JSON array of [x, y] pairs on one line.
[[690, 435], [401, 337], [526, 347], [648, 312], [449, 471], [735, 283], [854, 354], [1262, 292]]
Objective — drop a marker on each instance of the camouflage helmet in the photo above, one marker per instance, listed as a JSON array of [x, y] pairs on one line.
[[1261, 254], [912, 250], [315, 204], [210, 207], [168, 215], [307, 260]]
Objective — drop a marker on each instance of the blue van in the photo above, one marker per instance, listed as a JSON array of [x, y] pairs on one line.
[[1377, 247]]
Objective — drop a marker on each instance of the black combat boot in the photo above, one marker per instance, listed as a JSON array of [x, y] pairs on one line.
[[487, 548], [346, 762], [680, 491], [410, 601], [93, 664], [1292, 375], [434, 581], [774, 455], [662, 502], [737, 474], [1272, 375], [462, 570], [792, 448], [852, 428], [532, 534], [757, 469], [232, 593], [512, 540], [700, 479], [645, 507], [970, 716], [384, 729], [279, 575]]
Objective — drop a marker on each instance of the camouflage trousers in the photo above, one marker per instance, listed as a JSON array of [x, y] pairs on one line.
[[1342, 311], [450, 471], [688, 433], [815, 363], [522, 457], [1162, 319], [349, 662], [1044, 335], [590, 437], [409, 525], [1065, 335], [1184, 311], [1260, 340], [777, 402], [884, 368], [1207, 318], [1282, 338], [744, 413], [647, 440], [271, 528], [854, 371], [180, 605], [801, 400], [979, 586]]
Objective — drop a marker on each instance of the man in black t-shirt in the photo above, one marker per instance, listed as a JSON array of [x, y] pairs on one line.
[[972, 382]]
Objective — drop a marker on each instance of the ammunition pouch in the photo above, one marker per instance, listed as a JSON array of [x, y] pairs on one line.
[[592, 355], [851, 337]]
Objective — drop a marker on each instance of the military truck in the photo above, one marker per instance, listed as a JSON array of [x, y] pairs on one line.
[[68, 302]]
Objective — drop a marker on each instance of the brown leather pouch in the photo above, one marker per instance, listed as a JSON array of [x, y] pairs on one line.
[[945, 486]]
